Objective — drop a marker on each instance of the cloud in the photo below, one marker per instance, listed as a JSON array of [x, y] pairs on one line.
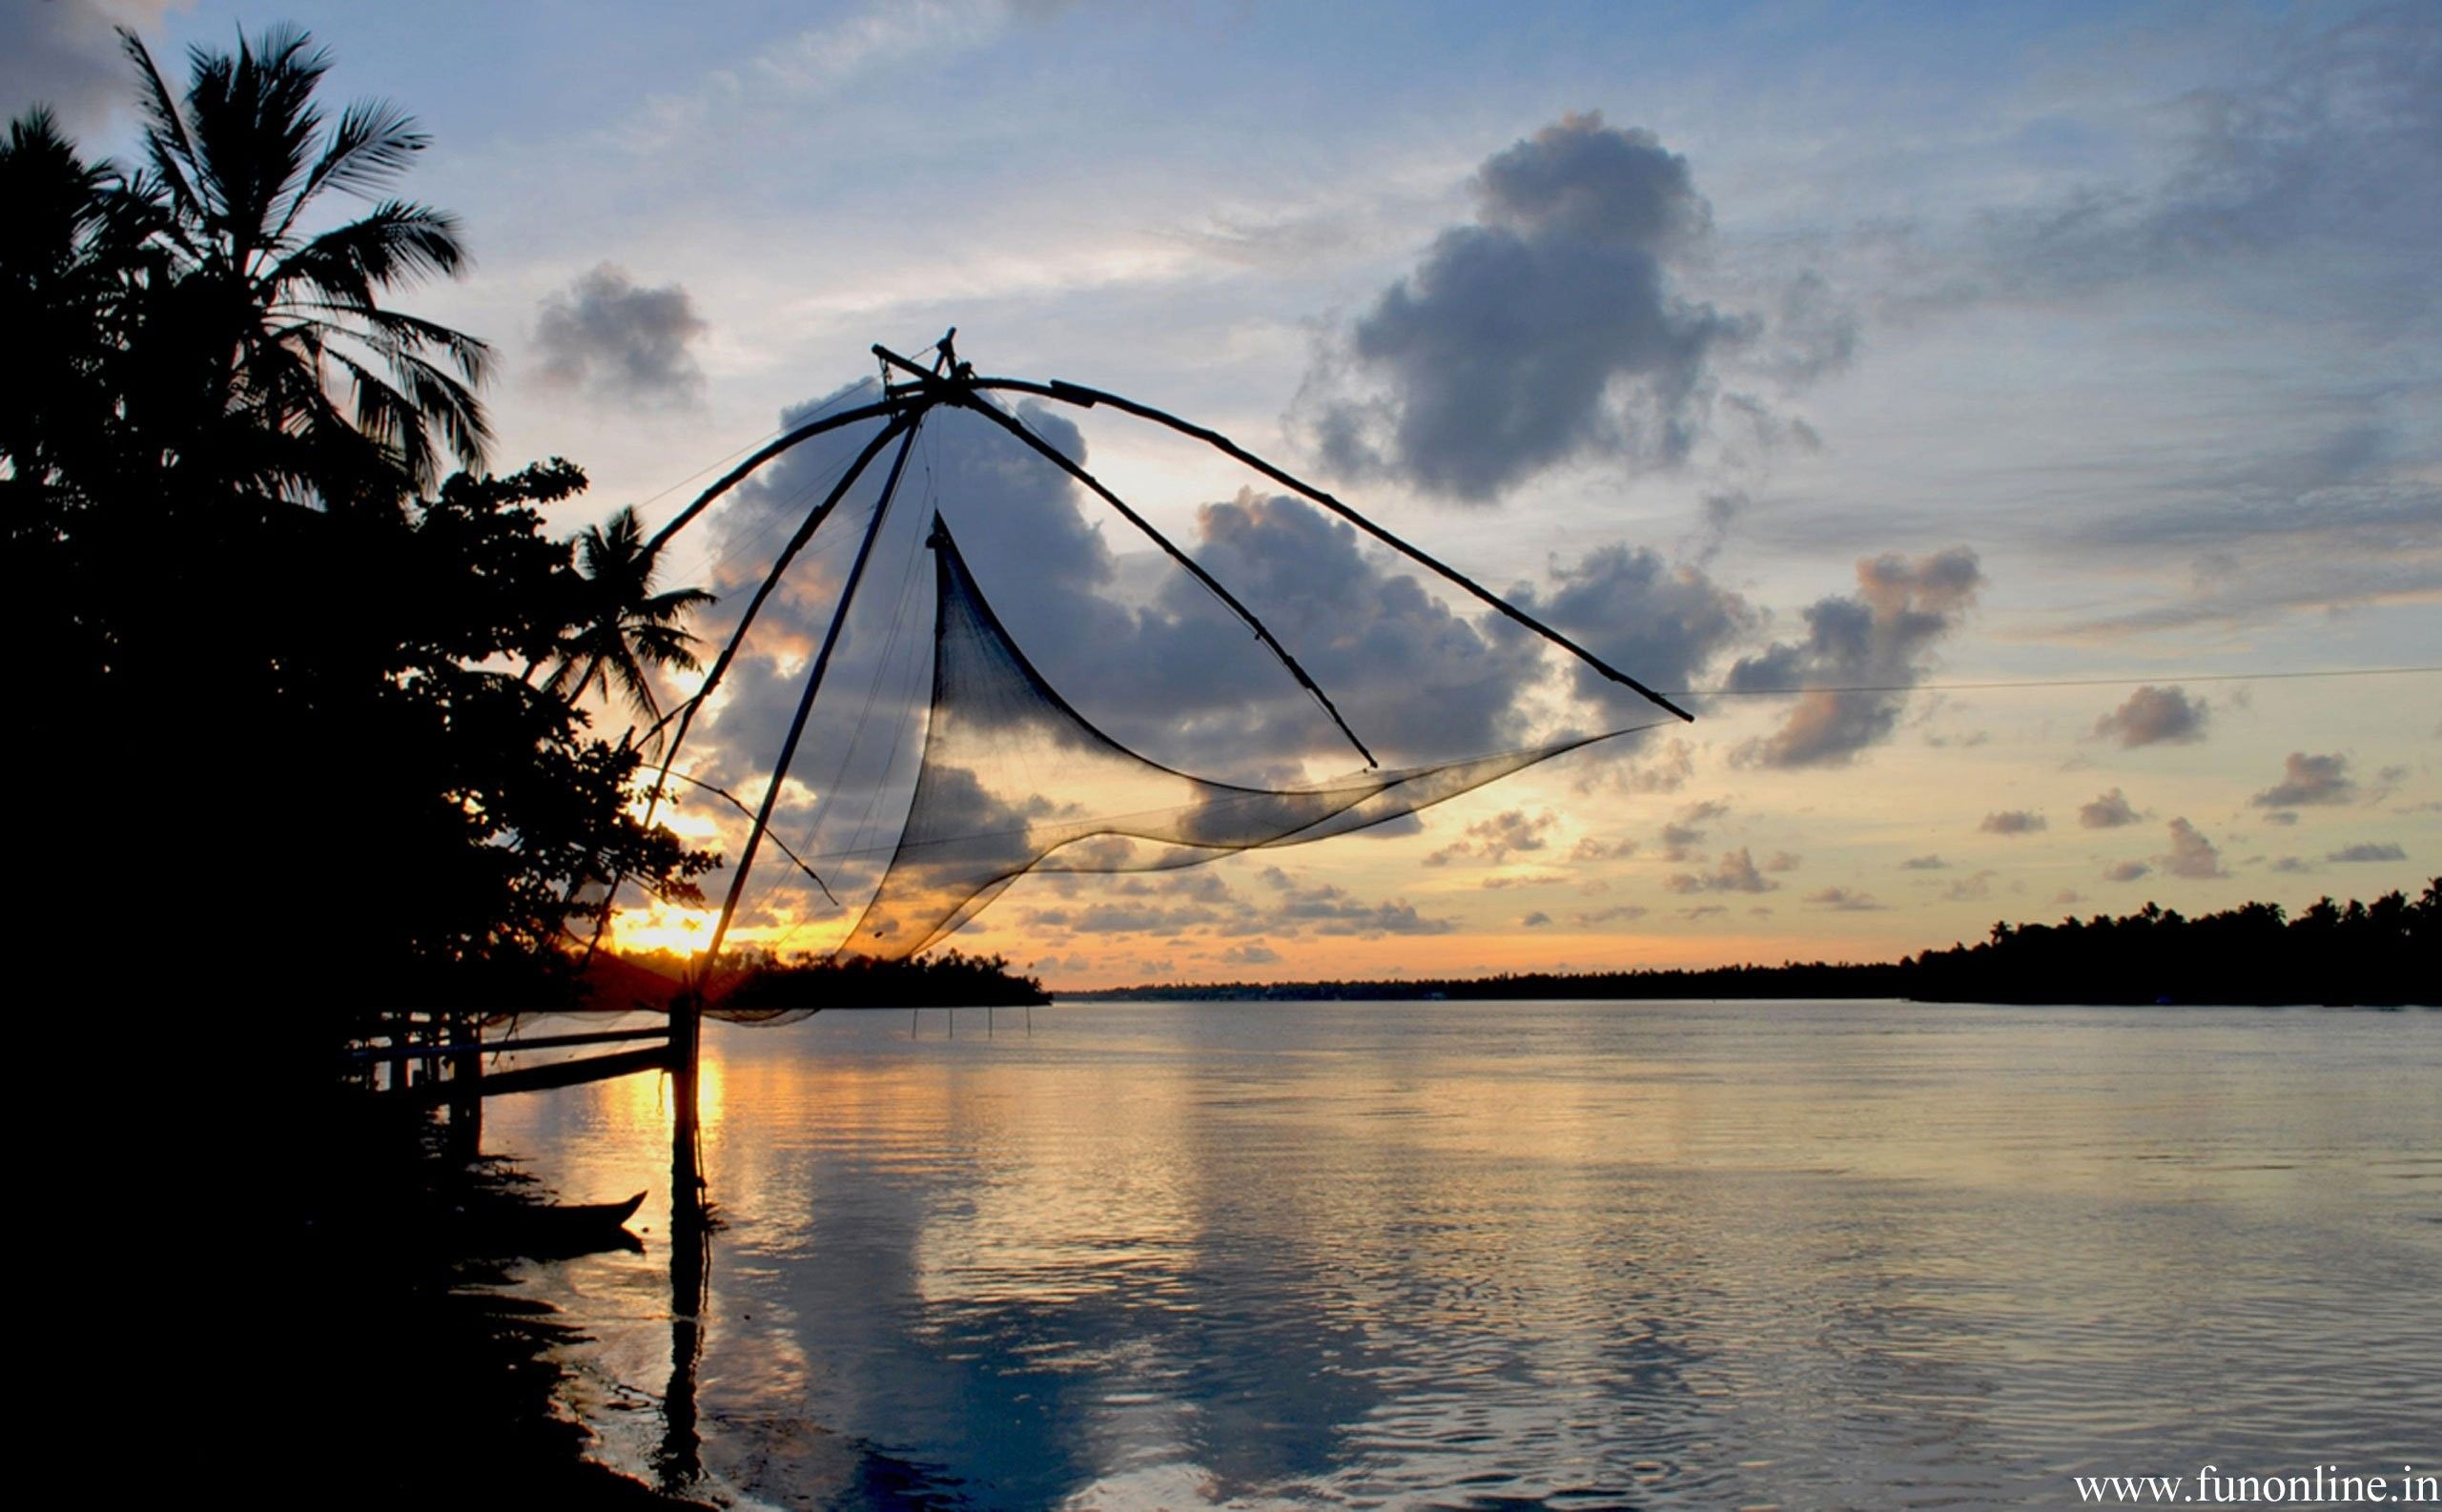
[[1551, 329], [1880, 638], [64, 53], [1736, 873], [1925, 863], [1667, 771], [1683, 834], [1497, 838], [2012, 821], [1249, 953], [1661, 625], [2290, 864], [1590, 848], [1844, 900], [1784, 860], [1329, 909], [2155, 716], [2125, 871], [2310, 780], [2369, 851], [2111, 811], [1972, 887], [613, 339], [2319, 163], [2192, 854], [1137, 646], [1618, 914], [1535, 920]]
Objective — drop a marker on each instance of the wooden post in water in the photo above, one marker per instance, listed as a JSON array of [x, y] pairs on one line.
[[686, 1178], [466, 1080]]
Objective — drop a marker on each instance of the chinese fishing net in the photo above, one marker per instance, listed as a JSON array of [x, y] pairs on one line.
[[1014, 779]]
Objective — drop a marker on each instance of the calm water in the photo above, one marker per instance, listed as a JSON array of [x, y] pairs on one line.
[[1854, 1254]]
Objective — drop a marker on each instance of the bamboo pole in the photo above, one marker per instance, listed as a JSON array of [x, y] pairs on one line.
[[1084, 398], [739, 474], [1059, 459]]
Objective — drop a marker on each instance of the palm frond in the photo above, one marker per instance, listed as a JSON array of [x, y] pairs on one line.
[[373, 144], [167, 146], [396, 243]]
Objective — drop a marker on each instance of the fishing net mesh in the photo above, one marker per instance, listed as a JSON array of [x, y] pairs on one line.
[[1014, 779]]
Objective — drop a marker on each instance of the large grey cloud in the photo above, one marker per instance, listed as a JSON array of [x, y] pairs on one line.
[[64, 53], [1660, 623], [1551, 328], [2155, 716], [616, 339], [1879, 638]]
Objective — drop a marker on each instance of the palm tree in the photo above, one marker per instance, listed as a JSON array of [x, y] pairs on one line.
[[272, 319], [621, 626]]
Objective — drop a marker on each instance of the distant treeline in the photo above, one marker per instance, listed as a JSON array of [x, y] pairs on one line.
[[951, 979], [2381, 952]]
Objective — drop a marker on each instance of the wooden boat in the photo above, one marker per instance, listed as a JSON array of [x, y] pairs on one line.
[[551, 1230]]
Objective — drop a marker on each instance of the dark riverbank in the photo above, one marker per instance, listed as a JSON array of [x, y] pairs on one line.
[[276, 1294], [2377, 955], [430, 1380]]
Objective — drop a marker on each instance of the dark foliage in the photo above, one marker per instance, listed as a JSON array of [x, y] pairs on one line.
[[950, 979], [273, 706]]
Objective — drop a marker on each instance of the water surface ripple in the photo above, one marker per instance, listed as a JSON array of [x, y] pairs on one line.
[[1575, 1255]]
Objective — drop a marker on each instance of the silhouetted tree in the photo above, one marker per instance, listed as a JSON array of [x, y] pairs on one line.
[[273, 690], [272, 313], [622, 627]]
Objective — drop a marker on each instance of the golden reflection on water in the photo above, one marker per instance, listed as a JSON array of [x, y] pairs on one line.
[[1427, 1253]]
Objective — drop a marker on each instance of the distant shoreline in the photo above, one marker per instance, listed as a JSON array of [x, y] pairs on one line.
[[1520, 991], [2353, 956]]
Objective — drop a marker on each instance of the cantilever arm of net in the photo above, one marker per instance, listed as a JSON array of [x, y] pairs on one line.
[[740, 805], [1084, 398], [686, 712], [888, 404], [959, 390], [949, 907], [1017, 428], [1015, 779], [745, 863]]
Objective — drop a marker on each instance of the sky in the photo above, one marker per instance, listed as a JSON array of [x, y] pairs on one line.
[[1759, 347]]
